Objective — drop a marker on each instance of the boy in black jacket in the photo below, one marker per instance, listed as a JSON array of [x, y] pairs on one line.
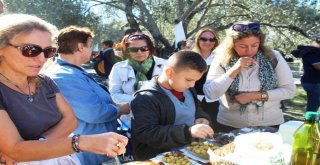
[[166, 111]]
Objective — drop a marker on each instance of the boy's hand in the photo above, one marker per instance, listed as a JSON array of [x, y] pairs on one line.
[[201, 131], [202, 121]]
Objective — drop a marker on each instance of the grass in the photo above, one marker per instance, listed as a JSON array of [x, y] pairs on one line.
[[294, 109]]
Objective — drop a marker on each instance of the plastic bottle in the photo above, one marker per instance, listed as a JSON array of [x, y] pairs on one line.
[[306, 143]]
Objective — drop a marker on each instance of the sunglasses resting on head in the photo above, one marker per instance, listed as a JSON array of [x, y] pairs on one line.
[[253, 27], [32, 50]]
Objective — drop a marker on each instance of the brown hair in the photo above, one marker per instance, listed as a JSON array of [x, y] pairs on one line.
[[131, 37], [69, 37]]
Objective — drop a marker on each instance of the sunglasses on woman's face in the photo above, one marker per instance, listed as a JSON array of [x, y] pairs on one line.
[[136, 49], [204, 39], [254, 27], [32, 50]]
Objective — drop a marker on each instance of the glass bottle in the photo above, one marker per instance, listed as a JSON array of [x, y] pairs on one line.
[[125, 130], [306, 142]]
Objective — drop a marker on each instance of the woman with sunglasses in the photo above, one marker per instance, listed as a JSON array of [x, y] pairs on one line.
[[93, 106], [31, 105], [206, 40], [250, 80], [140, 65]]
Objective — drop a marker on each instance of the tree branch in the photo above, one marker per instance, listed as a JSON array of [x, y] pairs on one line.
[[203, 15], [110, 3], [289, 27], [151, 25], [189, 10]]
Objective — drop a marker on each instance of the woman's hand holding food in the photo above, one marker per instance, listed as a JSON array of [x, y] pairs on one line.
[[110, 144]]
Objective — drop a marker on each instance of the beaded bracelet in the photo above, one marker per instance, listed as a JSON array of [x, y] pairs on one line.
[[75, 143]]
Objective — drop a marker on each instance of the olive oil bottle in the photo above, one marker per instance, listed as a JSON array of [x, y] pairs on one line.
[[306, 142]]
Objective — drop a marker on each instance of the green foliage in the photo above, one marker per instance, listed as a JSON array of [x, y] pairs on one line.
[[61, 13], [286, 23], [294, 108]]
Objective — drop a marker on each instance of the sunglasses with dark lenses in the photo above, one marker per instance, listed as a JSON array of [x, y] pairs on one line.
[[136, 49], [31, 50], [254, 27], [204, 39]]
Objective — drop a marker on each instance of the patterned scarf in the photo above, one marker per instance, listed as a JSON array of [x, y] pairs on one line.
[[142, 70], [267, 78]]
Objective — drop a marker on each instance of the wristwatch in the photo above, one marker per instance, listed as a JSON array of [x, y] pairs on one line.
[[264, 96]]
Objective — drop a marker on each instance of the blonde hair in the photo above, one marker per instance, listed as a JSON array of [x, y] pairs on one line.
[[16, 24], [196, 45], [225, 50]]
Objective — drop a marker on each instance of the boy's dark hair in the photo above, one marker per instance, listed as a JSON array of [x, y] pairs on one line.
[[186, 59], [107, 43]]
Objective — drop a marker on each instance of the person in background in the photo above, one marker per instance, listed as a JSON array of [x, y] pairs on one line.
[[140, 65], [310, 79], [93, 106], [182, 45], [108, 56], [166, 111], [31, 105], [249, 78], [206, 40], [120, 45]]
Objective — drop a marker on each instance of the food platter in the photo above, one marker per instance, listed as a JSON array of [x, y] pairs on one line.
[[200, 148], [221, 143], [178, 155]]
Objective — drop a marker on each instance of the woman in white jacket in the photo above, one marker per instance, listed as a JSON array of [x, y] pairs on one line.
[[250, 80], [140, 65]]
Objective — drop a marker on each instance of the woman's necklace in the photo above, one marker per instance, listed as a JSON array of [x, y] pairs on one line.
[[30, 97]]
